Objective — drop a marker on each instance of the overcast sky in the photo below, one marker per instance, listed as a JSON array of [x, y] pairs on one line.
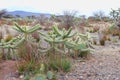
[[86, 7]]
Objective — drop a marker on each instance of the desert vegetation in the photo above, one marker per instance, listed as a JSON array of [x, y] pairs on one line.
[[45, 48]]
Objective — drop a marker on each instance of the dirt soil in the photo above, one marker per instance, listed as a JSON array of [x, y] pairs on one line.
[[8, 70]]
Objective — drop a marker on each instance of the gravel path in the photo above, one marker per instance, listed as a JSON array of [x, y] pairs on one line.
[[104, 65]]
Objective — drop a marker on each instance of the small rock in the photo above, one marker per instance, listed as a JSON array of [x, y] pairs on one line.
[[81, 78], [88, 75], [21, 76]]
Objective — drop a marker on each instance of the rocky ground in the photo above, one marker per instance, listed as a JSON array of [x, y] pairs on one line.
[[104, 65]]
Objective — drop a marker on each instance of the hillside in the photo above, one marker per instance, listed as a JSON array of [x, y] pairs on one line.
[[25, 13]]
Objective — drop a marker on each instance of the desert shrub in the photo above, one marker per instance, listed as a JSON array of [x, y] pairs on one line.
[[114, 40], [102, 42], [42, 19], [1, 36], [28, 51], [68, 19], [36, 36], [93, 29], [112, 30], [1, 56], [94, 42], [99, 15], [59, 63], [102, 39], [28, 67], [106, 19]]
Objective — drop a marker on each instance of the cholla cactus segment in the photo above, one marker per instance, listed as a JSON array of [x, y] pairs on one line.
[[52, 38], [18, 28], [12, 43], [34, 28], [57, 31], [80, 42], [63, 33], [25, 29]]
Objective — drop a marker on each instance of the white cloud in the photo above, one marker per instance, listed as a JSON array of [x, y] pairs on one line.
[[57, 6]]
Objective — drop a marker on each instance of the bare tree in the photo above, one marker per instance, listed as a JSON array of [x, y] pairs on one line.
[[99, 15], [68, 18], [42, 19]]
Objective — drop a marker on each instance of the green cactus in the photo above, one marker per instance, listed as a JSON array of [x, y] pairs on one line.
[[53, 40], [80, 44], [11, 46], [25, 29], [42, 76], [63, 33], [50, 75], [56, 38], [13, 43], [18, 40]]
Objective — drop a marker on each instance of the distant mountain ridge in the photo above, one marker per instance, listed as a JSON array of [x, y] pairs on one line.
[[26, 13]]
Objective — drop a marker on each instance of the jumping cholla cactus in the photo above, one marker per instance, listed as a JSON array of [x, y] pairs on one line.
[[15, 42], [12, 43], [25, 30], [80, 45], [57, 37], [63, 33]]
